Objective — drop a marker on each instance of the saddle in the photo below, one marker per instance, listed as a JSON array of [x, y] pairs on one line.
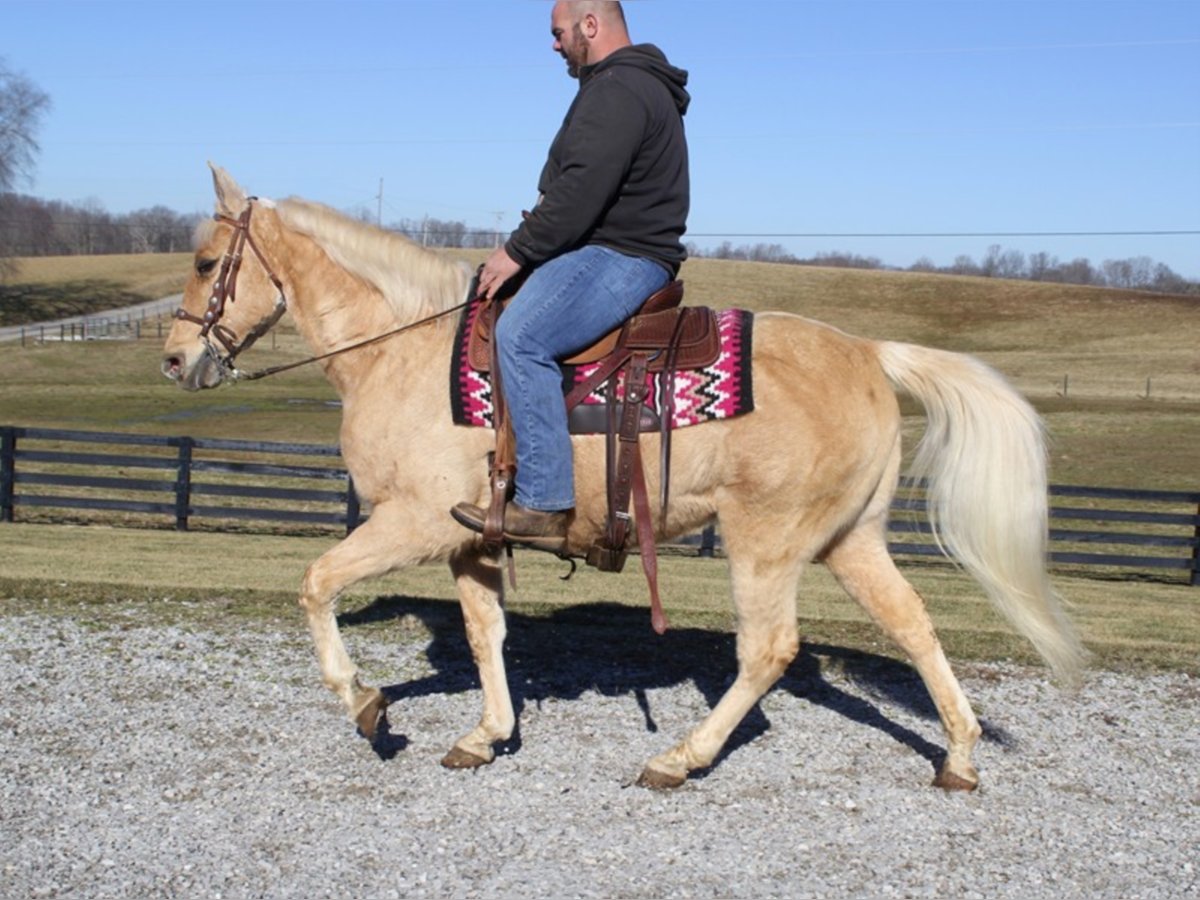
[[662, 336]]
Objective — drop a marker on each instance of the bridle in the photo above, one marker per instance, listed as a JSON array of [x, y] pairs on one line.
[[225, 292]]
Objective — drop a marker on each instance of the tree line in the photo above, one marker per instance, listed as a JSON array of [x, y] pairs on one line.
[[33, 227], [1134, 273], [30, 226]]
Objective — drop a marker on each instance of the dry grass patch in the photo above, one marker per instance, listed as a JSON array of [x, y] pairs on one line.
[[55, 287]]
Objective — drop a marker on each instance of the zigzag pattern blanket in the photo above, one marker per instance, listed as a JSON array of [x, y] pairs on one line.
[[720, 391]]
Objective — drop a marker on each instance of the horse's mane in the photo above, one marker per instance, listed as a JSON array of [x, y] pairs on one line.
[[415, 282]]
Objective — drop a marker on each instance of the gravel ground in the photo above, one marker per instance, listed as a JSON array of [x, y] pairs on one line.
[[206, 762]]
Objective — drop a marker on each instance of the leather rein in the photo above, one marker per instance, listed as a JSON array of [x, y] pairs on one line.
[[224, 293]]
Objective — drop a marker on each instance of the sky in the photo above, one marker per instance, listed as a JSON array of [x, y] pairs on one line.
[[883, 128]]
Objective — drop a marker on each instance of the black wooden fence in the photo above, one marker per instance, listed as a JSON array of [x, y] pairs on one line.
[[179, 477], [215, 483]]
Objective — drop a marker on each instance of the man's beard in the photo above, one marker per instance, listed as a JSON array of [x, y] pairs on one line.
[[579, 58]]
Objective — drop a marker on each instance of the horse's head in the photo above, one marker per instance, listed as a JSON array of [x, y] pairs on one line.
[[211, 329]]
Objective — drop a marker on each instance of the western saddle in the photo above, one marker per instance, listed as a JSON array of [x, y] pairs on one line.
[[662, 337]]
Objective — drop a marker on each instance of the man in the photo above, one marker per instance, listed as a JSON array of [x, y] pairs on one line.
[[604, 235]]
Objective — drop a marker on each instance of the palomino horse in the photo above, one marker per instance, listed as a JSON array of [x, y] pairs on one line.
[[809, 475]]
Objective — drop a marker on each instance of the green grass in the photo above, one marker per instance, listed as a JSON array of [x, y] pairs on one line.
[[171, 577], [1104, 431]]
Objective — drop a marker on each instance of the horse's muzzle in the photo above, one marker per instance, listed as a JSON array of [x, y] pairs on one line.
[[204, 372]]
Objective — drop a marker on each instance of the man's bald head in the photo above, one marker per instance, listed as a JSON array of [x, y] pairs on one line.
[[586, 31], [608, 10]]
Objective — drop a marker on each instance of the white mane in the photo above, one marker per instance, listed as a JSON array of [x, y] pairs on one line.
[[416, 282]]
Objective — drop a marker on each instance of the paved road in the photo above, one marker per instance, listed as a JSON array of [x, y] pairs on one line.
[[143, 311]]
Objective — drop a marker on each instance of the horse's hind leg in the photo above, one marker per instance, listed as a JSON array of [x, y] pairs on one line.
[[764, 593], [480, 591], [862, 565]]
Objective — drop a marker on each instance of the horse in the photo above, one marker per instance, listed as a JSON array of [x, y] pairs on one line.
[[808, 476]]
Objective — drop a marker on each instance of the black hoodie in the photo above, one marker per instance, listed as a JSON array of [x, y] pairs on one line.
[[617, 172]]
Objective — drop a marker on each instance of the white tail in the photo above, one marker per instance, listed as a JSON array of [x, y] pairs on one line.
[[984, 458]]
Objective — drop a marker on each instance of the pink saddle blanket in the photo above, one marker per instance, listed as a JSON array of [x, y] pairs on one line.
[[721, 390]]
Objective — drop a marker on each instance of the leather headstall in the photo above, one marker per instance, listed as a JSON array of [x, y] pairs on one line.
[[225, 293]]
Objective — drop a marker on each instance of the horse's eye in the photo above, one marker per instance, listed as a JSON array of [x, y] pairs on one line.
[[205, 266]]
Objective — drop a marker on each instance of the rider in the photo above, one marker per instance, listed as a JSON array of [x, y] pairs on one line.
[[604, 235]]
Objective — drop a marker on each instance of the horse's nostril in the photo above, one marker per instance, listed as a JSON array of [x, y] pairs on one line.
[[171, 367]]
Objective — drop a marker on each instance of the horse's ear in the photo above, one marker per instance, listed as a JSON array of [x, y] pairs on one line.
[[231, 199]]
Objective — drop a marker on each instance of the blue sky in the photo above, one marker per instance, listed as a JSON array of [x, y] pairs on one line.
[[816, 118]]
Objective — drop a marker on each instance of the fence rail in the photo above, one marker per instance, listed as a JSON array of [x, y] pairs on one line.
[[181, 477], [149, 479]]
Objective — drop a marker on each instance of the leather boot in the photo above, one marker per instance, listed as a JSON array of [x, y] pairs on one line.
[[530, 527]]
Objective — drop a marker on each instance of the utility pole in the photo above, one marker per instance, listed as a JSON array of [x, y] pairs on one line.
[[499, 214], [379, 207]]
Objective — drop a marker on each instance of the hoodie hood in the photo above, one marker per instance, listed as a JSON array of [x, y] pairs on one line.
[[648, 58]]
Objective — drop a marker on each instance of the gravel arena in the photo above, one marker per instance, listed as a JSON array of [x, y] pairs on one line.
[[148, 759]]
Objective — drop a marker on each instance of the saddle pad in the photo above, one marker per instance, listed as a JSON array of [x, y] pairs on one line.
[[721, 390]]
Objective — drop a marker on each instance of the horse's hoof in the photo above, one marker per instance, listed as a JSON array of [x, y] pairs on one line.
[[458, 758], [948, 781], [659, 781], [371, 715]]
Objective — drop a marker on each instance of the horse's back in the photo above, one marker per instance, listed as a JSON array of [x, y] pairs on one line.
[[824, 429], [820, 388]]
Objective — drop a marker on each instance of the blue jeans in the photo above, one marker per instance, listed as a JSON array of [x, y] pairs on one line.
[[565, 305]]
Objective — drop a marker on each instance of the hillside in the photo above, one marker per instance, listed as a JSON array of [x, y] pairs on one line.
[[1085, 356]]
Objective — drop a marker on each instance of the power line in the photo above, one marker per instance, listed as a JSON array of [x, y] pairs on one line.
[[120, 220], [940, 234]]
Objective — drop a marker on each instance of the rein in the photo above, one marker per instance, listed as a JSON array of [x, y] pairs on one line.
[[225, 292], [239, 375]]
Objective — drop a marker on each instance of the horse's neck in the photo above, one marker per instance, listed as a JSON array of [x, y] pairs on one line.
[[333, 310]]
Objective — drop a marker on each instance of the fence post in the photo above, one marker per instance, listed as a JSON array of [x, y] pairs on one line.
[[708, 542], [353, 507], [8, 471], [183, 484], [1196, 551]]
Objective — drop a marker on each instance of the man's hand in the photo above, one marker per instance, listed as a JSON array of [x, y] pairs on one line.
[[498, 269]]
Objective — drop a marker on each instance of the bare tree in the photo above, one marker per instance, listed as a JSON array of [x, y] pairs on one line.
[[158, 230], [1078, 271], [1041, 264], [21, 107], [1011, 264], [964, 265], [990, 266]]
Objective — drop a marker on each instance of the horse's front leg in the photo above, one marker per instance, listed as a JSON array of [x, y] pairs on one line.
[[372, 549], [481, 592]]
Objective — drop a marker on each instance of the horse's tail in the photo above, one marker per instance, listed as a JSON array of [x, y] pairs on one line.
[[984, 458]]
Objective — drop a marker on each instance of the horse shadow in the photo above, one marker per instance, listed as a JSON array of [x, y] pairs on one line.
[[610, 649]]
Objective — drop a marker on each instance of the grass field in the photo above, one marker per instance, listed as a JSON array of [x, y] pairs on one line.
[[1084, 357], [48, 288], [1105, 345]]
